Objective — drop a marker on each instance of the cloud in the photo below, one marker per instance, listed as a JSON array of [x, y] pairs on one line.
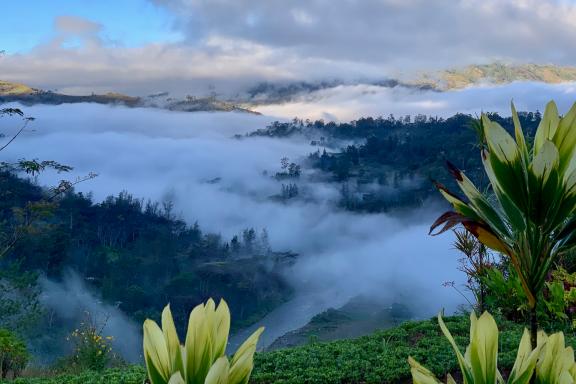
[[159, 153], [349, 102], [392, 34], [74, 25], [72, 302], [232, 44]]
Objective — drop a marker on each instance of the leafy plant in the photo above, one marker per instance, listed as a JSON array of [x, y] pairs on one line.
[[531, 217], [13, 354], [475, 263], [92, 350], [505, 293], [202, 358], [551, 361]]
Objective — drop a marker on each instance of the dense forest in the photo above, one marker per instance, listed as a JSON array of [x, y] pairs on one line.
[[375, 160], [137, 255]]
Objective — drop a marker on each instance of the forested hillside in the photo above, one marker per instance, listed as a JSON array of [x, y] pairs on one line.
[[136, 255], [382, 164]]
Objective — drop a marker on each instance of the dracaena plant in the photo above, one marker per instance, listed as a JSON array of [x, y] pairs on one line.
[[202, 359], [550, 362], [530, 214]]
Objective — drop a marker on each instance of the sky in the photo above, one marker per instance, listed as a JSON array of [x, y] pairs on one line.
[[190, 46]]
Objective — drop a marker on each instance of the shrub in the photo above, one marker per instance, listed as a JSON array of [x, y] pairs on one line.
[[13, 354], [550, 362], [91, 349]]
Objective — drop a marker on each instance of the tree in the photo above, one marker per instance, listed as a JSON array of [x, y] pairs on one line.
[[530, 216], [31, 213]]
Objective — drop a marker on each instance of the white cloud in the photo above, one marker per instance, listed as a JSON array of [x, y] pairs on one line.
[[346, 103], [234, 44]]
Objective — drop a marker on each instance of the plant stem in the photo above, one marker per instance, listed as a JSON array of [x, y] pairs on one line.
[[533, 327]]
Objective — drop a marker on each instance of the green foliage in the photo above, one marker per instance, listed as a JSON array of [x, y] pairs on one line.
[[531, 218], [136, 253], [202, 358], [380, 157], [550, 362], [13, 354], [557, 306], [505, 294], [91, 349], [376, 359], [130, 375]]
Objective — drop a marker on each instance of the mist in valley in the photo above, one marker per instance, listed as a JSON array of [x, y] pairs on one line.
[[193, 161]]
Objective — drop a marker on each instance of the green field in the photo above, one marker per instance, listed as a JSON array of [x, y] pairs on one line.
[[378, 358]]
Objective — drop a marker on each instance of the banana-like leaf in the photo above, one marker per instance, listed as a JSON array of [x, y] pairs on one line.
[[421, 375], [506, 161], [219, 372], [172, 341], [458, 204], [156, 353], [176, 379], [198, 346], [249, 343], [462, 362], [565, 138], [525, 363], [478, 202], [221, 329], [535, 193], [485, 235], [201, 360], [556, 362], [519, 135], [243, 361], [548, 126], [483, 348]]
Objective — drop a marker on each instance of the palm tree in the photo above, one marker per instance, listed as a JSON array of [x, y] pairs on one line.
[[530, 216]]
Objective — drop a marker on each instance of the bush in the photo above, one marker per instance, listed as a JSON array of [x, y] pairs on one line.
[[91, 349], [13, 354]]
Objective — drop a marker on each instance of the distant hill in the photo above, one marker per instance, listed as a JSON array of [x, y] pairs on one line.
[[15, 92], [496, 73], [9, 88]]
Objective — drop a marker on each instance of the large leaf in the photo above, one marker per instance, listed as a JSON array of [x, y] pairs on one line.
[[464, 365], [548, 126], [219, 372], [421, 375], [247, 345], [565, 138], [478, 201], [198, 347], [221, 328], [156, 353], [172, 341], [525, 363], [483, 349], [519, 135]]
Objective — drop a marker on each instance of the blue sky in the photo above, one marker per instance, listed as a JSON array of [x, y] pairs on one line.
[[26, 24]]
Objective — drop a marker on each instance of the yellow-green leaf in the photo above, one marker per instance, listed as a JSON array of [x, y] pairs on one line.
[[421, 375], [219, 372]]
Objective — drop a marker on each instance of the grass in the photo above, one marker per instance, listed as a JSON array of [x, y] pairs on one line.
[[378, 358]]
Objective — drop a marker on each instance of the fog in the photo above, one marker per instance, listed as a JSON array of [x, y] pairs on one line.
[[73, 302], [348, 102], [225, 184]]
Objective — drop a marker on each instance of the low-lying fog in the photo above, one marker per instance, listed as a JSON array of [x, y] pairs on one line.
[[348, 102], [162, 155]]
